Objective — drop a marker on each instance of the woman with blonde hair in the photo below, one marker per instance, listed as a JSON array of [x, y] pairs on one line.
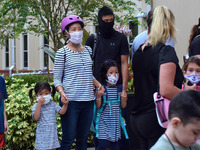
[[155, 67]]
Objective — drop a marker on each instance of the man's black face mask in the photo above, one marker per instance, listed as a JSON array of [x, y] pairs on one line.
[[105, 28]]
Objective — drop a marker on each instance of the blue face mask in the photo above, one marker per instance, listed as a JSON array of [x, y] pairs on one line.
[[113, 78]]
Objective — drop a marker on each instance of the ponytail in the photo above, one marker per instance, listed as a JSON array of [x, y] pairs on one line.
[[31, 95], [53, 91]]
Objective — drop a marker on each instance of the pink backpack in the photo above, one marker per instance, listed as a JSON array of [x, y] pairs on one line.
[[162, 108]]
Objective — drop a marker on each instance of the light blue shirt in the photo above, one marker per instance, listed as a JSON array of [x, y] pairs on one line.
[[143, 37]]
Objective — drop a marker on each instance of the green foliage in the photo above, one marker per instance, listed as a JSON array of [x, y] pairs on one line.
[[130, 85], [44, 17], [29, 79]]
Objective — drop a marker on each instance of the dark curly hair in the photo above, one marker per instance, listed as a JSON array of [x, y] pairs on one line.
[[194, 32]]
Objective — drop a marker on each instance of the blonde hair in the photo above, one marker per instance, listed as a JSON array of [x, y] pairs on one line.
[[162, 26]]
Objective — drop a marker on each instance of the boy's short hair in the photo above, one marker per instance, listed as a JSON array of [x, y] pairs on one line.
[[186, 106]]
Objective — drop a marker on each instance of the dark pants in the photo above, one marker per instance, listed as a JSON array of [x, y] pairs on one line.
[[102, 145], [145, 126], [76, 124]]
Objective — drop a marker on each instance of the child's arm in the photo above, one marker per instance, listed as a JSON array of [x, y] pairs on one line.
[[98, 102], [5, 121], [123, 99], [63, 110], [36, 114]]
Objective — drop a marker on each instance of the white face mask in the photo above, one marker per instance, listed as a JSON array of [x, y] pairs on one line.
[[46, 97], [76, 37], [113, 78]]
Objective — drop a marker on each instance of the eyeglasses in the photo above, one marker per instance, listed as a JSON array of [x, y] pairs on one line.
[[191, 84]]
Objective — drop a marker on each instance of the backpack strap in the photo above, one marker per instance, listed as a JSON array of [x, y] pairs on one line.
[[100, 111], [95, 35], [64, 64], [90, 52]]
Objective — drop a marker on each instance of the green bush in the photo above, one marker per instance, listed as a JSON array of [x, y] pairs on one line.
[[18, 106]]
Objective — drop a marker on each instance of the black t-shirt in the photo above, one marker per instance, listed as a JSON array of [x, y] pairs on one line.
[[111, 48], [145, 70]]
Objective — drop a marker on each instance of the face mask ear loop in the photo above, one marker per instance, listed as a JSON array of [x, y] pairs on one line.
[[67, 33], [67, 36]]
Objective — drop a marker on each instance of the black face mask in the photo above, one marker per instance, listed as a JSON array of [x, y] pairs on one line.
[[106, 28]]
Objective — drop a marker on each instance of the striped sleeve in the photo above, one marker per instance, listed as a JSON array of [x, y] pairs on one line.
[[59, 67]]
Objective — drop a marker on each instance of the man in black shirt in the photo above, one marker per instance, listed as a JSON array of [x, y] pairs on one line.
[[110, 45]]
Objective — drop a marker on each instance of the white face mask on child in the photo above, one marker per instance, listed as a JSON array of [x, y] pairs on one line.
[[46, 97], [113, 78]]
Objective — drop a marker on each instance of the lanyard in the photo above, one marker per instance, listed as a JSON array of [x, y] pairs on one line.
[[171, 142]]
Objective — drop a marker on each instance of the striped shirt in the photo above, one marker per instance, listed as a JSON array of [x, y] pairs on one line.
[[76, 71], [109, 122]]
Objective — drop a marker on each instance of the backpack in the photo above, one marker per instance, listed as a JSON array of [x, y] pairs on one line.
[[97, 114]]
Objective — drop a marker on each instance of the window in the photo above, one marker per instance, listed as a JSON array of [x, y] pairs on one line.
[[46, 58], [7, 52], [25, 50]]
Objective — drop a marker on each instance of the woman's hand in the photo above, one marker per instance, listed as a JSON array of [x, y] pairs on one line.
[[123, 99], [100, 90], [99, 87], [64, 98], [65, 102]]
